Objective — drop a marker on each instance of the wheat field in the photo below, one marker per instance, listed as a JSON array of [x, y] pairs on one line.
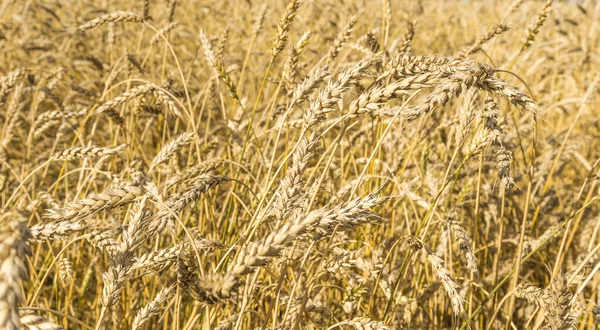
[[311, 164]]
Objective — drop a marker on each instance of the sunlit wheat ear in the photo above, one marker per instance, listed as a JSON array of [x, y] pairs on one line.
[[45, 126], [555, 301], [227, 323], [292, 185], [260, 253], [158, 259], [118, 16], [481, 40], [308, 85], [186, 268], [371, 100], [257, 26], [285, 24], [13, 117], [146, 14], [364, 323], [31, 321], [320, 222], [47, 199], [160, 95], [347, 216], [56, 230], [342, 259], [217, 65], [534, 27], [221, 43], [503, 160], [172, 7], [445, 91], [193, 172], [56, 115], [170, 148], [176, 203], [404, 48], [8, 81], [339, 42], [162, 33], [123, 260], [290, 69], [13, 251], [165, 258], [449, 283], [152, 308], [114, 278], [514, 6], [491, 115], [372, 42], [86, 152], [466, 246], [96, 202], [130, 94], [65, 269], [103, 240], [328, 98], [402, 66]]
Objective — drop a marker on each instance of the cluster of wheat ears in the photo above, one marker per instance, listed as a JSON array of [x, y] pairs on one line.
[[316, 164]]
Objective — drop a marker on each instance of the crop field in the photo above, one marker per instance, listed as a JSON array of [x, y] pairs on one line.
[[299, 164]]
